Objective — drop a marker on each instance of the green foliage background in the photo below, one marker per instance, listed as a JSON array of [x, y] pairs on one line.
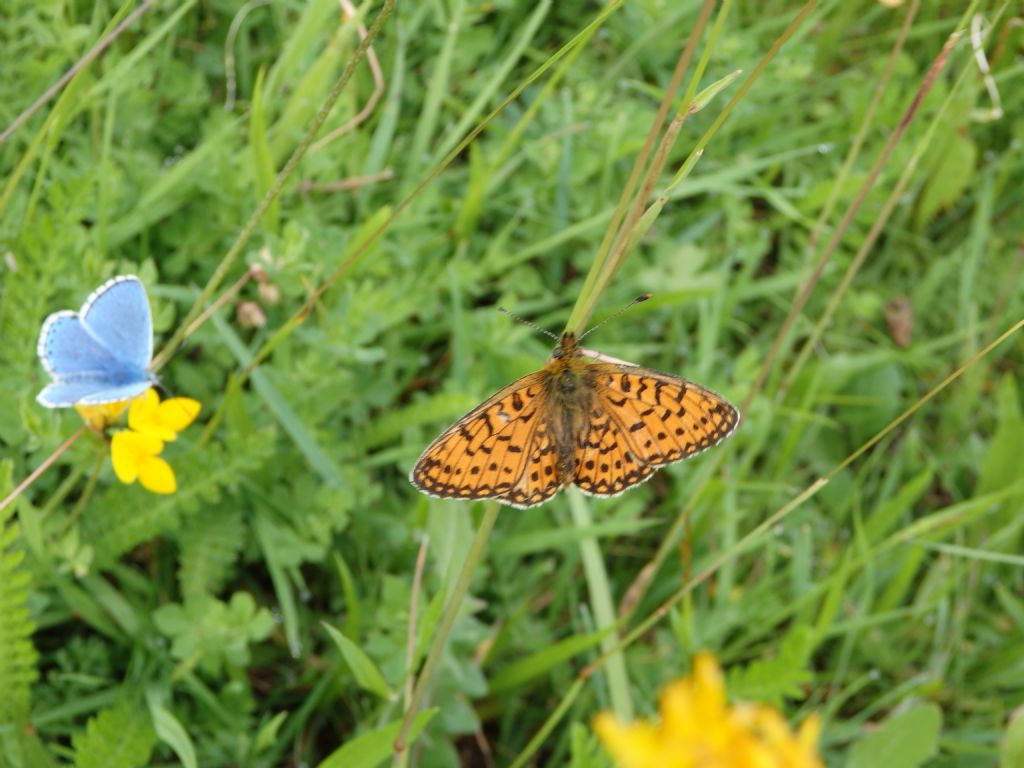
[[260, 616]]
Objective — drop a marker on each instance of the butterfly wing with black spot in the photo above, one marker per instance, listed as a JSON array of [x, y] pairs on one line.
[[488, 452], [647, 420], [605, 463], [539, 480]]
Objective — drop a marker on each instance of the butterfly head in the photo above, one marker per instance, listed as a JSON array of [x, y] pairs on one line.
[[566, 367], [568, 347], [158, 383]]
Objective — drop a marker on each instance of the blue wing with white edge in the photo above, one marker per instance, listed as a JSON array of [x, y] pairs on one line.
[[66, 348], [117, 314], [88, 390]]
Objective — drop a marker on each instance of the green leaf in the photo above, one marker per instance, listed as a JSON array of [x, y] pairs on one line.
[[23, 749], [127, 67], [209, 547], [309, 90], [365, 671], [206, 631], [871, 400], [558, 537], [707, 95], [469, 211], [119, 737], [362, 236], [584, 748], [303, 35], [170, 731], [262, 162], [1011, 748], [271, 537], [348, 589], [950, 176], [772, 680], [907, 740], [373, 748], [17, 655], [1003, 464], [887, 515], [428, 625], [283, 410], [267, 734], [121, 518], [540, 662]]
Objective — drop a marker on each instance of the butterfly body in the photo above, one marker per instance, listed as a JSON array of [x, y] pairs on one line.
[[602, 426], [101, 353]]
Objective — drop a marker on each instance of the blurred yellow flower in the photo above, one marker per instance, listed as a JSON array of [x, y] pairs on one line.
[[135, 457], [699, 729], [164, 420], [99, 417]]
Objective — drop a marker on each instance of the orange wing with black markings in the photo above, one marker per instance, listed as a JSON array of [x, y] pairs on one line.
[[500, 450], [539, 480], [643, 420], [605, 464], [603, 426]]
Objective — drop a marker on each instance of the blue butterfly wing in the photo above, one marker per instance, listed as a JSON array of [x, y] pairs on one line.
[[117, 315], [99, 355], [67, 348], [88, 390]]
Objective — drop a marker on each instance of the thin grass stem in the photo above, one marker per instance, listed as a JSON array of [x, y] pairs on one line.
[[38, 471], [414, 601], [550, 723], [451, 611], [603, 606]]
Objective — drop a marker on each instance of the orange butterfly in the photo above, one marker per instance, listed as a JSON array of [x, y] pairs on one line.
[[605, 426]]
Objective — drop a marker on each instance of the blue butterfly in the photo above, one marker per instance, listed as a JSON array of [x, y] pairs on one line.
[[101, 353]]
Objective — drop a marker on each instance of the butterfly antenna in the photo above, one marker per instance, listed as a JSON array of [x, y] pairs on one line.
[[637, 300], [524, 321]]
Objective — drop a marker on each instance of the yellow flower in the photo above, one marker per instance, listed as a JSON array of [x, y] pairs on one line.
[[164, 420], [699, 729], [99, 417], [136, 451], [135, 458]]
